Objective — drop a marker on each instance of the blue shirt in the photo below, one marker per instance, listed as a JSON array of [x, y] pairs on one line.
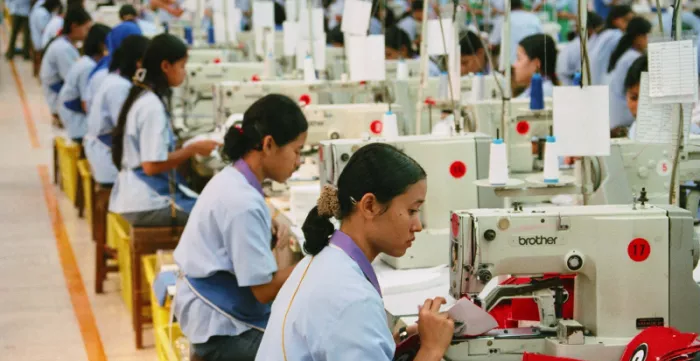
[[58, 60], [38, 19], [600, 54], [337, 314], [18, 7], [410, 26], [620, 114], [229, 229], [95, 80], [522, 25], [569, 59], [74, 87]]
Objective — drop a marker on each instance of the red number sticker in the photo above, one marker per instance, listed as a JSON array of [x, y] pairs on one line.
[[458, 169], [639, 250]]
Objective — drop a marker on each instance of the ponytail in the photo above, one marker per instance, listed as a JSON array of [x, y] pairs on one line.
[[637, 27], [317, 232], [115, 59], [119, 129]]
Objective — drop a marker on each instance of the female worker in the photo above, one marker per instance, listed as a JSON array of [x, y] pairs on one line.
[[569, 59], [144, 143], [331, 307], [39, 17], [536, 54], [106, 105], [522, 24], [397, 45], [632, 81], [62, 53], [225, 253], [473, 58], [615, 26], [71, 98], [631, 46]]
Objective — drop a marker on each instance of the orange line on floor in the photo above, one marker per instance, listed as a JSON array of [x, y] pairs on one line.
[[71, 272], [28, 120]]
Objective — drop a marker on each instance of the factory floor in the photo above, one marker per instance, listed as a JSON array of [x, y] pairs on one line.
[[48, 307]]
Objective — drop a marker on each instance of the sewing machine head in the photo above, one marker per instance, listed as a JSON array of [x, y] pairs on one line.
[[201, 77], [346, 121], [207, 56], [633, 265]]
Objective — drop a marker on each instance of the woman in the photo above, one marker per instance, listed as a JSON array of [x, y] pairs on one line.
[[331, 307], [61, 54], [569, 59], [631, 46], [144, 143], [615, 26], [39, 17], [225, 251], [71, 98], [397, 45], [106, 104], [632, 81], [536, 54]]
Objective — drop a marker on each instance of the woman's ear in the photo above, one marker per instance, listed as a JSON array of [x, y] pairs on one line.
[[165, 66], [268, 143], [368, 206]]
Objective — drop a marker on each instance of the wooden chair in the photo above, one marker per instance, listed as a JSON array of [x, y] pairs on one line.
[[104, 251]]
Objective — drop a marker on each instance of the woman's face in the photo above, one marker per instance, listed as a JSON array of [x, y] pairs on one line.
[[175, 72], [393, 231], [633, 99], [524, 68], [79, 32], [621, 22], [392, 54], [641, 42], [281, 162], [473, 63]]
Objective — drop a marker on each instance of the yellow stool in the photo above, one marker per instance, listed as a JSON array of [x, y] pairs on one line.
[[68, 155], [86, 186], [166, 347], [160, 314]]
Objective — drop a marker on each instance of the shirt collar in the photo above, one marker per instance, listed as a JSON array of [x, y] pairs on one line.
[[345, 243], [243, 167]]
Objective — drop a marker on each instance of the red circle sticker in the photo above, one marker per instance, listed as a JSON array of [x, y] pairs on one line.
[[639, 250], [455, 225], [376, 127], [305, 98], [458, 169], [522, 127]]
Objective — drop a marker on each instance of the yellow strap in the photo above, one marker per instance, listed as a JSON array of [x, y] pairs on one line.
[[284, 320]]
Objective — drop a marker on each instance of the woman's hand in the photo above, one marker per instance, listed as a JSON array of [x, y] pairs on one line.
[[204, 147], [435, 329], [281, 233], [410, 331]]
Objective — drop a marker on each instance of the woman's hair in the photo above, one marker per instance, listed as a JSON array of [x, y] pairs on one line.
[[542, 47], [593, 20], [634, 74], [127, 10], [396, 38], [76, 15], [470, 44], [164, 47], [52, 5], [516, 4], [376, 168], [638, 26], [616, 12], [280, 14], [335, 36], [274, 115], [127, 56], [95, 40]]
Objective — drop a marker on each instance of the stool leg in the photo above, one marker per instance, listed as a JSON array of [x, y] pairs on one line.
[[137, 308], [95, 213], [100, 267], [55, 163], [80, 196]]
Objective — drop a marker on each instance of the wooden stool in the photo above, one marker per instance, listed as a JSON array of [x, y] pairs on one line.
[[36, 62], [104, 252]]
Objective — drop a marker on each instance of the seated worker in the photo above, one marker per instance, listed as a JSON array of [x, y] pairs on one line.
[[39, 17], [605, 7], [143, 146], [62, 53], [71, 99], [536, 54], [397, 45], [226, 251], [411, 20], [522, 24], [473, 58], [599, 54], [631, 46], [569, 59], [331, 306], [106, 104], [336, 38]]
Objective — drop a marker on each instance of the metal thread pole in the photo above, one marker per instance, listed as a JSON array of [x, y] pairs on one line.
[[423, 68]]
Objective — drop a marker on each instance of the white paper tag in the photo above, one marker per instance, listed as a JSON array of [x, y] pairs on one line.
[[582, 120], [436, 45], [673, 75], [290, 33], [356, 15], [264, 14], [316, 25], [655, 122]]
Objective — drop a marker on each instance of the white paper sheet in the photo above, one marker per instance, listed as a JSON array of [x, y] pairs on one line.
[[673, 76], [436, 46], [219, 21], [264, 14], [290, 10], [470, 319], [316, 26], [375, 58], [654, 122], [233, 20], [290, 34], [259, 35], [319, 53], [356, 14], [366, 57], [582, 120]]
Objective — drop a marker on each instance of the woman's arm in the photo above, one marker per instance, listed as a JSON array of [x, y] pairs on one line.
[[203, 147]]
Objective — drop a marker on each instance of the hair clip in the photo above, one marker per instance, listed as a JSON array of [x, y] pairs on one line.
[[140, 75], [353, 201]]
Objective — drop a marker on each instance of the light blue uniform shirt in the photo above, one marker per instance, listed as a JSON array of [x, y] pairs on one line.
[[94, 84], [569, 59], [547, 90], [523, 24], [335, 9], [74, 88], [620, 114], [101, 119], [58, 60], [51, 30], [38, 19], [146, 139], [375, 26], [410, 26], [229, 230], [600, 54], [18, 7], [337, 314]]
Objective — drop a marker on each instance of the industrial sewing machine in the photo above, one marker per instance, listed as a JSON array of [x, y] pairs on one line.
[[201, 77], [452, 163], [338, 121], [632, 267], [206, 56]]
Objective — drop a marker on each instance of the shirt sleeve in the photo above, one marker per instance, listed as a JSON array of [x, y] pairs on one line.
[[247, 239], [66, 61], [154, 135], [360, 333], [114, 103], [83, 83]]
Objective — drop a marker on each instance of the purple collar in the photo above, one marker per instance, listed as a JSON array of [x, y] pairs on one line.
[[243, 167], [345, 243]]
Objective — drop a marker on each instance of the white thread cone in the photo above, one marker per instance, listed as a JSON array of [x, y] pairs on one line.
[[498, 163], [551, 161], [309, 71], [402, 70], [390, 125], [478, 87]]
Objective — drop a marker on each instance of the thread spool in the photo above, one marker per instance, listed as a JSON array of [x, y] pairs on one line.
[[390, 125], [551, 161], [577, 79], [210, 35], [498, 163], [344, 77], [309, 71], [401, 70], [478, 87], [189, 38], [443, 89], [269, 65], [536, 93]]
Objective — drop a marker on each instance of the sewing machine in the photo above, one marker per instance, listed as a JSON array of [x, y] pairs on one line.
[[452, 164], [338, 121], [206, 56], [412, 64], [201, 77], [633, 267]]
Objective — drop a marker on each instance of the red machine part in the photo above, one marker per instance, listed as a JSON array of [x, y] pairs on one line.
[[376, 127], [305, 99], [523, 127], [538, 357], [661, 344]]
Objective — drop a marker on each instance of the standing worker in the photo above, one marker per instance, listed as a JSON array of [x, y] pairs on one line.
[[19, 10]]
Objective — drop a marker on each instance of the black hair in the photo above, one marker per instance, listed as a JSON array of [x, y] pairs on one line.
[[634, 74], [396, 38], [280, 14], [638, 26], [71, 3], [75, 15], [275, 115], [377, 168], [95, 40], [128, 54], [52, 5], [164, 47], [616, 12], [516, 4], [542, 47], [127, 10], [335, 36], [416, 5], [470, 44], [593, 20]]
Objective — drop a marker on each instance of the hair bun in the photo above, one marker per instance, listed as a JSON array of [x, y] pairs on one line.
[[328, 204]]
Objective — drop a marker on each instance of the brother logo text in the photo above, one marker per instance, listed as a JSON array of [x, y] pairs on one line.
[[537, 240]]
